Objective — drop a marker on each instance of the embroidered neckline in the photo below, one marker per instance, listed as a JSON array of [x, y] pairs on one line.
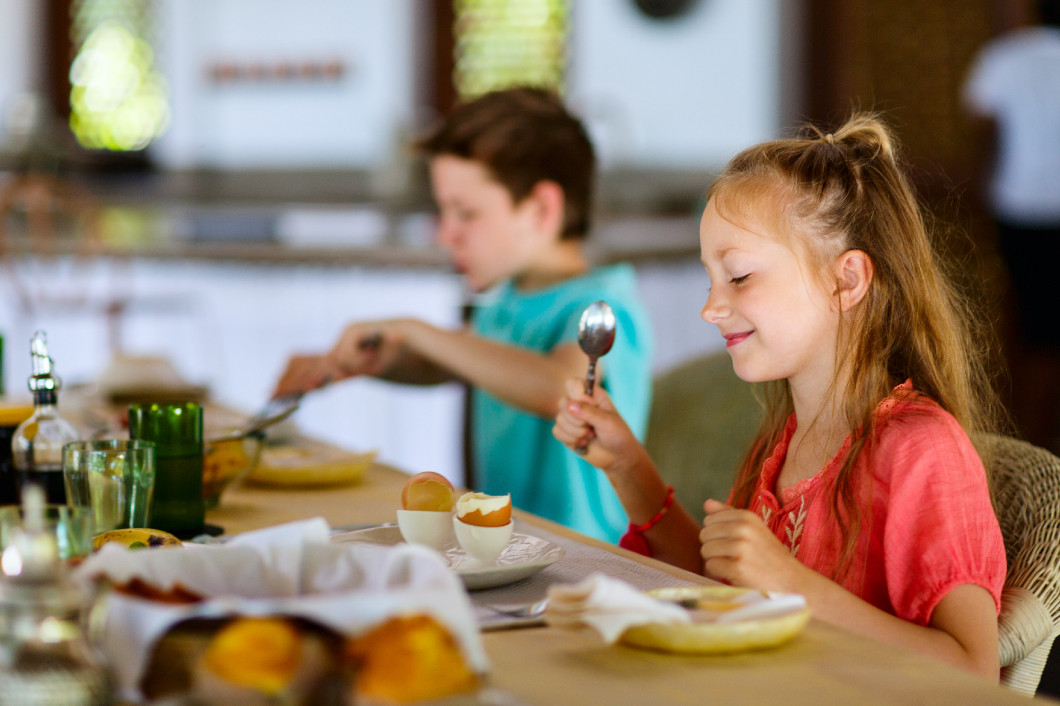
[[791, 494]]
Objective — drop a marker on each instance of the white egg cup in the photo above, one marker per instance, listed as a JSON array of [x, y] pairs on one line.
[[432, 528], [483, 544]]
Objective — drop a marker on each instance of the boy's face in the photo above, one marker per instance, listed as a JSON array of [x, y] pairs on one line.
[[489, 237]]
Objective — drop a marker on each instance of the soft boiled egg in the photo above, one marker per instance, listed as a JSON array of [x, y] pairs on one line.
[[483, 525], [484, 510], [427, 510]]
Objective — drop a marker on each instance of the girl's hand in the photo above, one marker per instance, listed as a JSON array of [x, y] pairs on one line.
[[737, 547], [593, 424]]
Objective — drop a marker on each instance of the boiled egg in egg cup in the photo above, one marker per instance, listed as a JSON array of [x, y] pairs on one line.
[[483, 525], [426, 514]]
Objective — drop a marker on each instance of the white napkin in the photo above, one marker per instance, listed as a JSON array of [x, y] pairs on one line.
[[759, 605], [611, 606], [289, 569], [607, 605]]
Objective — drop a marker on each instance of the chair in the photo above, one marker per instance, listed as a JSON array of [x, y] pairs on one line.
[[702, 420], [1027, 501]]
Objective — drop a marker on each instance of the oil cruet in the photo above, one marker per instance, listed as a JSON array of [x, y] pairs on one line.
[[45, 655]]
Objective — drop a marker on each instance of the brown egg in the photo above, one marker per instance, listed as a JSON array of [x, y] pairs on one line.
[[428, 491]]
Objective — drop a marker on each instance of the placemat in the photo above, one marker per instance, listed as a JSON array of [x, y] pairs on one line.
[[578, 563]]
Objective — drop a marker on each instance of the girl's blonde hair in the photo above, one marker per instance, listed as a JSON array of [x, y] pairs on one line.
[[830, 193]]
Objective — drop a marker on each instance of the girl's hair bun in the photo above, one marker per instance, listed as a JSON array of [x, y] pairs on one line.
[[864, 131]]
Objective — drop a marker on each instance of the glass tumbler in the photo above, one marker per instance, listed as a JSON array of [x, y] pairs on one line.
[[72, 528], [113, 477], [176, 428]]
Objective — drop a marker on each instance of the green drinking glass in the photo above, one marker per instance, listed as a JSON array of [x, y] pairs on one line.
[[176, 429]]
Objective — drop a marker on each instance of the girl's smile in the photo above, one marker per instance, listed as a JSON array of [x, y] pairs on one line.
[[732, 339]]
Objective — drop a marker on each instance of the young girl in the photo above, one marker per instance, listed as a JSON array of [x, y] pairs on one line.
[[862, 491]]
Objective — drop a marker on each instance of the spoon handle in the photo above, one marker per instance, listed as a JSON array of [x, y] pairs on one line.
[[590, 376]]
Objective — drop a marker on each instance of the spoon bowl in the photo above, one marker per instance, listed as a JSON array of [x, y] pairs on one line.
[[596, 335]]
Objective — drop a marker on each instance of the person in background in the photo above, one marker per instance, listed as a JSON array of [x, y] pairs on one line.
[[862, 490], [512, 173], [1013, 90]]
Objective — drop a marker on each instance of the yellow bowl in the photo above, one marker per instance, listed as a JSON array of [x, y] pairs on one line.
[[227, 460]]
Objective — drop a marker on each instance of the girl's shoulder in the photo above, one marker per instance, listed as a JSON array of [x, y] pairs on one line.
[[912, 427]]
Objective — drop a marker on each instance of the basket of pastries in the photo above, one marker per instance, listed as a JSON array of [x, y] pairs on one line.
[[282, 615]]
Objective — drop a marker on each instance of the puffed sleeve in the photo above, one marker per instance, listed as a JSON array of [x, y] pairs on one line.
[[940, 530]]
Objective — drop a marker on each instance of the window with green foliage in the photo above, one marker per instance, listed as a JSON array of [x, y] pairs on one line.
[[118, 99], [501, 43]]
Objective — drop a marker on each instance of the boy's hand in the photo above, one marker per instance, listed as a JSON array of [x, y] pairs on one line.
[[738, 547], [303, 373], [593, 424], [367, 348]]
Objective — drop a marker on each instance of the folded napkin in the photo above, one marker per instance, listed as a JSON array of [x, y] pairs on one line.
[[607, 605], [611, 606], [291, 570]]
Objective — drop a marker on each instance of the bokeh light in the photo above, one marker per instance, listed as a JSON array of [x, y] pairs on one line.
[[502, 43], [118, 101]]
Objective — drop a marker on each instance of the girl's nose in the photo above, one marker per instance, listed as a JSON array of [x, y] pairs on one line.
[[714, 309]]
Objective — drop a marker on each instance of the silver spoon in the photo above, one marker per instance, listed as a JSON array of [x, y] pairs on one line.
[[596, 335], [530, 610]]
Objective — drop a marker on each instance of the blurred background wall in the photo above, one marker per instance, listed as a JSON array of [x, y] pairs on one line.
[[262, 124]]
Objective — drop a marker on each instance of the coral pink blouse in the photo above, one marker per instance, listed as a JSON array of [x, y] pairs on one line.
[[927, 522]]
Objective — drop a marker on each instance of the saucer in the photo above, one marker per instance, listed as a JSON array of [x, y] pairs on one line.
[[524, 556]]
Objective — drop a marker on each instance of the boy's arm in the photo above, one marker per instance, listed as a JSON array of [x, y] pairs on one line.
[[531, 381]]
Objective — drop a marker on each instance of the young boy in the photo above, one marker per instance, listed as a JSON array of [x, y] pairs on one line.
[[512, 173]]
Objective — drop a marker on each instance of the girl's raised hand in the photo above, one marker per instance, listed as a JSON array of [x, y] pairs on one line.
[[738, 547], [593, 424]]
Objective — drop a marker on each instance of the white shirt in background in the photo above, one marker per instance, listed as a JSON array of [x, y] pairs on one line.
[[1016, 81]]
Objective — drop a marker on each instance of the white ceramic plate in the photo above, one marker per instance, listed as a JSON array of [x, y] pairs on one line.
[[523, 557]]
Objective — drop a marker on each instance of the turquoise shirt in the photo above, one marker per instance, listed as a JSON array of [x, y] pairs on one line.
[[514, 451]]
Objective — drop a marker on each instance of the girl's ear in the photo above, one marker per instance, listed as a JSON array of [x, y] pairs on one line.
[[854, 272], [548, 200]]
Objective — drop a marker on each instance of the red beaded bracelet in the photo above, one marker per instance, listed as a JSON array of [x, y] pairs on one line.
[[633, 539]]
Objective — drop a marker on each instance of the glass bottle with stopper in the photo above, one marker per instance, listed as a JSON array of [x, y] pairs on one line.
[[45, 657], [37, 444]]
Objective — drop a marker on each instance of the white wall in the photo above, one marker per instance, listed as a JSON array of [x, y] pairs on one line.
[[683, 93], [19, 47], [349, 123]]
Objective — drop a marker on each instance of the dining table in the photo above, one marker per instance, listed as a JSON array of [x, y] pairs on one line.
[[535, 663]]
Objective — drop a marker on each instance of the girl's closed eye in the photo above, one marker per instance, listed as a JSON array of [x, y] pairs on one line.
[[740, 279]]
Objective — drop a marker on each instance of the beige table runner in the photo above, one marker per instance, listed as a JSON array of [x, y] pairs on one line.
[[579, 562]]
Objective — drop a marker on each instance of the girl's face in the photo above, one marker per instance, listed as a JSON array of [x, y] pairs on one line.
[[488, 236], [778, 320]]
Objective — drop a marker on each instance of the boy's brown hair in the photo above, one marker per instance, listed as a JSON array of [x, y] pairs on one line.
[[524, 136]]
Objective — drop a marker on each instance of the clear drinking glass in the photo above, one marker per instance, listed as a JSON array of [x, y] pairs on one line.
[[72, 528], [176, 428], [113, 477]]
